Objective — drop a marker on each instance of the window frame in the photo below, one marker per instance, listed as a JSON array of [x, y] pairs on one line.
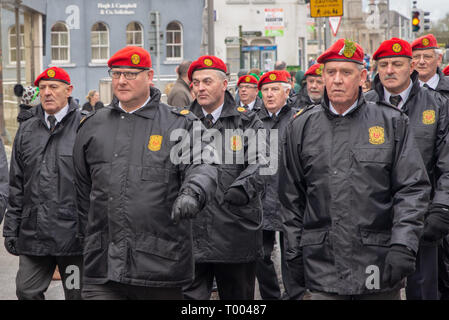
[[172, 45], [14, 48], [134, 32], [59, 46], [99, 45]]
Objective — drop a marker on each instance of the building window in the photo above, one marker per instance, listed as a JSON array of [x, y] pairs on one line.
[[174, 41], [134, 34], [60, 44], [99, 42], [13, 44]]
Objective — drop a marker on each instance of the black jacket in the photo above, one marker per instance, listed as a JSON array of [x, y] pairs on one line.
[[257, 105], [126, 185], [428, 112], [3, 180], [271, 205], [300, 100], [350, 187], [223, 232], [42, 200]]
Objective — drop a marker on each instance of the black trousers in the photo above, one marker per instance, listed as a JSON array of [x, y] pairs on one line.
[[235, 281], [112, 290], [443, 268], [423, 283], [392, 295], [35, 274], [265, 270]]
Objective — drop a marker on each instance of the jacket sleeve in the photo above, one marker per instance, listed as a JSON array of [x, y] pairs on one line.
[[410, 187], [292, 192], [251, 179], [3, 180], [16, 190], [441, 192], [83, 183], [199, 176]]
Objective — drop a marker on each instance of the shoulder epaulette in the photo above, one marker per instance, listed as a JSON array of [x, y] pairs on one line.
[[183, 112], [84, 116], [303, 110], [246, 113]]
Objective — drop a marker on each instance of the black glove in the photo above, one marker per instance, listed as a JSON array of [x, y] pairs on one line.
[[236, 196], [399, 263], [186, 206], [11, 245], [436, 225]]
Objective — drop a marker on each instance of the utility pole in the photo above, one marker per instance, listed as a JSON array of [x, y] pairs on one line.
[[210, 28], [18, 57], [240, 44]]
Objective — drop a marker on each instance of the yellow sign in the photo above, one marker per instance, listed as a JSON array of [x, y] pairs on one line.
[[155, 143], [376, 135], [326, 8], [236, 143], [428, 117]]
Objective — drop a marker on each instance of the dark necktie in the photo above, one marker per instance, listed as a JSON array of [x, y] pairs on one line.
[[52, 120], [246, 106], [208, 121], [395, 100], [426, 86]]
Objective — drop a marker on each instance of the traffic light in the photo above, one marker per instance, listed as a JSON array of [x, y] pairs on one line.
[[415, 21], [426, 20]]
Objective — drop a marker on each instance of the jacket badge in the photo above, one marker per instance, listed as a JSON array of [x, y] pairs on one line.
[[184, 112], [155, 143], [236, 143], [298, 113], [428, 117], [376, 135], [241, 109], [135, 59]]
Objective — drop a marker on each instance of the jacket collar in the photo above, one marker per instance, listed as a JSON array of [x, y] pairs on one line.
[[264, 114], [443, 84], [72, 107], [149, 110], [325, 103], [229, 107], [379, 88]]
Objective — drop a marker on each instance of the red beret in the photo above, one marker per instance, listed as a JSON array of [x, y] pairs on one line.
[[55, 74], [343, 50], [425, 42], [446, 71], [315, 70], [273, 76], [394, 47], [130, 57], [206, 62], [247, 79]]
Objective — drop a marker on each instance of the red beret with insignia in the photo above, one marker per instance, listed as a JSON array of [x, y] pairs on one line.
[[446, 71], [247, 79], [315, 70], [206, 62], [343, 50], [425, 42], [130, 57], [55, 74], [394, 47], [273, 76]]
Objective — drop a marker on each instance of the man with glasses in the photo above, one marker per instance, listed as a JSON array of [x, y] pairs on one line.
[[397, 84], [427, 57], [133, 197], [247, 85]]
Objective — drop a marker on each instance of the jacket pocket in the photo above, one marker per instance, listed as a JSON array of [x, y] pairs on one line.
[[374, 155], [155, 174], [375, 238], [157, 246], [314, 237], [92, 242]]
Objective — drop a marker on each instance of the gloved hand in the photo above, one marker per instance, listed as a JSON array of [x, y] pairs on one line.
[[399, 263], [436, 225], [11, 245], [236, 196], [186, 206]]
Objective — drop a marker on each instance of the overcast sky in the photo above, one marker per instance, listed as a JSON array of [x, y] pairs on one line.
[[437, 8]]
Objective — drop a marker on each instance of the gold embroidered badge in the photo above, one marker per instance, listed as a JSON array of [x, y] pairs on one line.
[[155, 143], [208, 62], [247, 79], [376, 135], [428, 117], [425, 42], [184, 112], [51, 73], [272, 77], [397, 47], [135, 58]]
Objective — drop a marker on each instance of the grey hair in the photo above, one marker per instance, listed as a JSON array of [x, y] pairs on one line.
[[438, 52], [286, 86], [221, 75]]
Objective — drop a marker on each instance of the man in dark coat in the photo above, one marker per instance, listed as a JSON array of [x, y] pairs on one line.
[[397, 83], [41, 222], [313, 91], [275, 115], [353, 187], [427, 57], [179, 95], [133, 194], [247, 85], [227, 233]]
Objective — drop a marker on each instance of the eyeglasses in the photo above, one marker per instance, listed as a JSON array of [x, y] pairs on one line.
[[426, 57], [128, 75], [247, 87]]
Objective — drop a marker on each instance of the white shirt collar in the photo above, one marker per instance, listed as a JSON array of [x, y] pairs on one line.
[[404, 95], [58, 115], [216, 113], [250, 105], [433, 82], [144, 104], [331, 107], [271, 115]]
